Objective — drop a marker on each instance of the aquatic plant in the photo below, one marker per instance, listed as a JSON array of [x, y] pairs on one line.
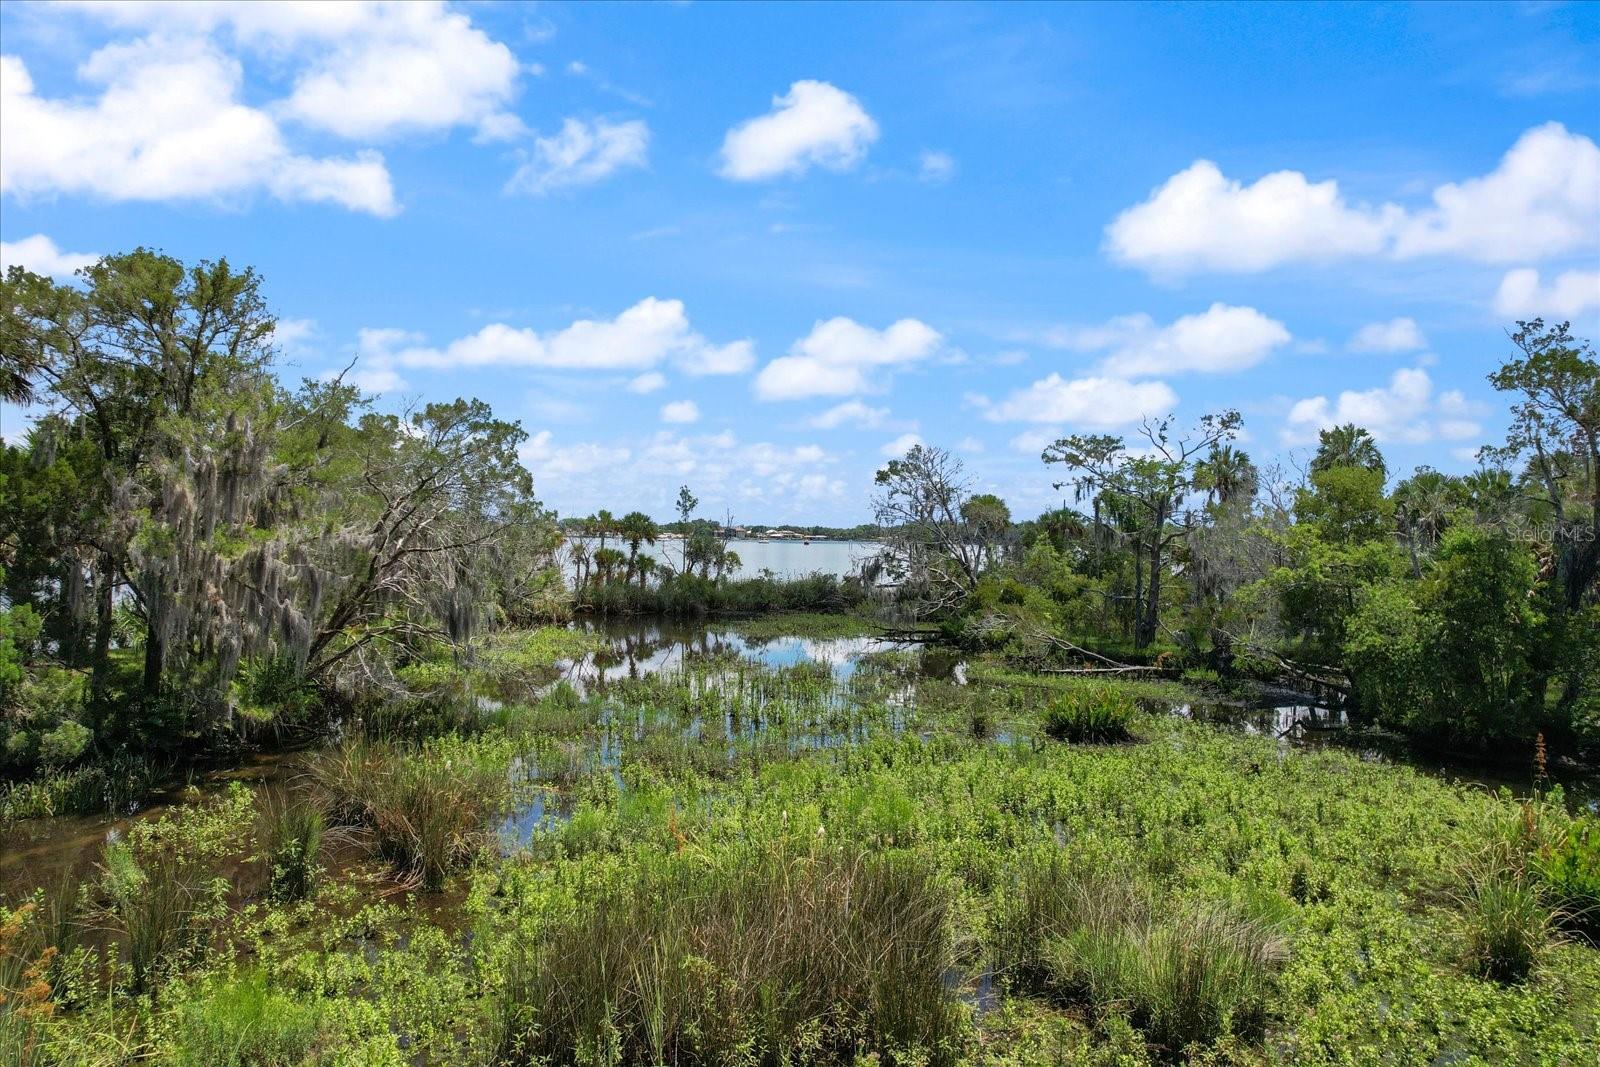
[[823, 955], [290, 831], [1090, 715]]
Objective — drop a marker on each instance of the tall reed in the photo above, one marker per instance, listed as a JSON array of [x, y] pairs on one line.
[[825, 956]]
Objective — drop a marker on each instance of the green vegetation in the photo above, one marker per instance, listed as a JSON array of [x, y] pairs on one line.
[[733, 863], [502, 840], [1092, 714]]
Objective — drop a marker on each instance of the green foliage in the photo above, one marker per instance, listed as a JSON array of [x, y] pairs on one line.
[[429, 809], [1569, 867], [823, 955], [1509, 923], [290, 833], [1091, 714], [243, 1022], [1453, 657]]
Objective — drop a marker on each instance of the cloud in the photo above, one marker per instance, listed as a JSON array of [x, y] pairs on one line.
[[900, 446], [839, 357], [40, 255], [1543, 199], [645, 335], [582, 154], [722, 470], [363, 71], [1403, 411], [1396, 335], [167, 126], [1200, 220], [813, 124], [1218, 340], [935, 166], [680, 411], [648, 382], [970, 444], [851, 411], [1570, 294], [1096, 402]]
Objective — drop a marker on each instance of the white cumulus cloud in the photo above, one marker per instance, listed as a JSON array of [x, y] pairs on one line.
[[1396, 335], [648, 382], [813, 124], [841, 357], [851, 411], [581, 154], [1542, 200], [1096, 402], [1404, 411], [900, 445], [680, 411], [364, 70], [641, 338], [167, 125], [1570, 294], [40, 255], [1218, 340]]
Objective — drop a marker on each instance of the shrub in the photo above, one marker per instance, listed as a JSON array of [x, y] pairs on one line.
[[245, 1024], [1569, 866], [1091, 714], [821, 956]]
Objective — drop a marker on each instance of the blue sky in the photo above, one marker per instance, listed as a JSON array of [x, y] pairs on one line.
[[756, 249]]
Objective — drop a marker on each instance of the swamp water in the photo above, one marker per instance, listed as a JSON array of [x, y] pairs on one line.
[[704, 698]]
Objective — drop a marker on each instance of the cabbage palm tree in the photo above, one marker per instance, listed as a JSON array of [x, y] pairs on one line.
[[1348, 446]]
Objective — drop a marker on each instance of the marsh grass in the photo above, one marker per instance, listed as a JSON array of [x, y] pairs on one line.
[[820, 956], [1509, 922], [429, 808], [1184, 975], [1100, 714], [290, 831], [244, 1023]]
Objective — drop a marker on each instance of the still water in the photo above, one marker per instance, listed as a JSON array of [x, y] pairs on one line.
[[784, 558]]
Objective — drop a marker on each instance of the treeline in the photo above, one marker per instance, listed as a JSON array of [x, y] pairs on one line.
[[613, 571], [190, 547], [1458, 610]]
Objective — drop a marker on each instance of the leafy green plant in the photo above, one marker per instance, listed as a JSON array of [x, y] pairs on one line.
[[1509, 922], [822, 955], [1570, 869], [1091, 714]]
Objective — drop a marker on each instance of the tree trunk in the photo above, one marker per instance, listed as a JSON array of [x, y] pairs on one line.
[[101, 653], [154, 661]]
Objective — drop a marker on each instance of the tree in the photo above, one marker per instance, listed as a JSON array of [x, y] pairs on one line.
[[1226, 474], [988, 523], [164, 369], [928, 541], [637, 529], [1555, 430], [1347, 446], [1148, 487]]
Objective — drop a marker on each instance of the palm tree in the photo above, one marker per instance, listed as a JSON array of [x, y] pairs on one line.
[[637, 528], [1225, 474], [1423, 505], [1348, 446]]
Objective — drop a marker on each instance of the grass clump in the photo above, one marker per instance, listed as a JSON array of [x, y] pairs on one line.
[[1097, 714], [244, 1023], [290, 831], [819, 956], [1509, 922], [1184, 975], [429, 808]]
